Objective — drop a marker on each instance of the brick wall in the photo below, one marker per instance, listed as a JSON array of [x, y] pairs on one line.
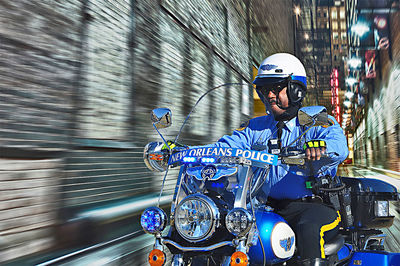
[[39, 51], [272, 27], [29, 197], [78, 79]]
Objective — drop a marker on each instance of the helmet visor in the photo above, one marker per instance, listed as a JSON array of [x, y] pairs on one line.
[[270, 81], [273, 84]]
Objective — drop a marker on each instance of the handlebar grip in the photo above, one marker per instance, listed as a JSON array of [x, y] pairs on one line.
[[299, 159]]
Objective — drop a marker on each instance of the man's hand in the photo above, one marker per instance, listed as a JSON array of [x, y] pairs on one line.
[[174, 146], [315, 149]]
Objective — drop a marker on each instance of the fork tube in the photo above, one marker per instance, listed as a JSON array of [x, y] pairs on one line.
[[244, 175], [177, 190]]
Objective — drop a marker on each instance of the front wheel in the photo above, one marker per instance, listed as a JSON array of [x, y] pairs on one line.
[[204, 260]]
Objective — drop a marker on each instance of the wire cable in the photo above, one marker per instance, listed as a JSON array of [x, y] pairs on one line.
[[207, 92]]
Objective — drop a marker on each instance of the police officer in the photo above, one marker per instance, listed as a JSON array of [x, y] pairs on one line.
[[281, 85]]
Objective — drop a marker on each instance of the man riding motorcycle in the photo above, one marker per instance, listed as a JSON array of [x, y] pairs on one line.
[[281, 85]]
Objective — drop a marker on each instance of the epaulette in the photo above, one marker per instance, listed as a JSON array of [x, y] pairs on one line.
[[243, 126]]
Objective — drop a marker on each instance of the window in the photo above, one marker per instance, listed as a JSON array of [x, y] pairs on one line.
[[343, 25], [334, 25], [385, 145], [397, 129], [343, 36], [334, 14], [107, 100], [342, 13], [378, 157], [335, 35], [371, 143]]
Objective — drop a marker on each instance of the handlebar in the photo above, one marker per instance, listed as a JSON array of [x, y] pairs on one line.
[[221, 155], [298, 159]]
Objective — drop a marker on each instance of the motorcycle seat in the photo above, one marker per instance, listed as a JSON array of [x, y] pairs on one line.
[[333, 246]]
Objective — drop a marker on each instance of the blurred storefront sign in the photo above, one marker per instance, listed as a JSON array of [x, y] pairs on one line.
[[370, 57], [381, 31], [360, 100], [364, 28], [374, 3]]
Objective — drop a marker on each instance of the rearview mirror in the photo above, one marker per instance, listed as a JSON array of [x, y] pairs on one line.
[[313, 116], [161, 117]]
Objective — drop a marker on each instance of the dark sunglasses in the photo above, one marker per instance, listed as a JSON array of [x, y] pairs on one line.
[[275, 88]]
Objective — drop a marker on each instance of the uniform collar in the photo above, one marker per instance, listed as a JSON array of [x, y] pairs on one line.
[[290, 125]]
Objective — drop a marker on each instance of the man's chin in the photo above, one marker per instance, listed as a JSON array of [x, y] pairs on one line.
[[276, 111]]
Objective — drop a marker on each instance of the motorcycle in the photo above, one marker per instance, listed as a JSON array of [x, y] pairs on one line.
[[217, 219]]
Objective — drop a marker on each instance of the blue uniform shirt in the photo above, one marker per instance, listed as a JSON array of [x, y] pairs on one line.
[[286, 182]]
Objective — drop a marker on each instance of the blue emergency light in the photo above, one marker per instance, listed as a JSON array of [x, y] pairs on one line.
[[208, 160], [189, 159], [153, 220]]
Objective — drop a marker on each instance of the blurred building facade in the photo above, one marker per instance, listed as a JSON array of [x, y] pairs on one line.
[[322, 44], [372, 115], [366, 57], [78, 80]]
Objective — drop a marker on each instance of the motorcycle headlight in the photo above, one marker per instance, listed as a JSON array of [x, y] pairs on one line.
[[196, 218], [381, 208], [238, 221], [153, 220]]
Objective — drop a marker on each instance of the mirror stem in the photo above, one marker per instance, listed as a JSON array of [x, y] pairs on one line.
[[301, 135], [166, 143], [166, 172]]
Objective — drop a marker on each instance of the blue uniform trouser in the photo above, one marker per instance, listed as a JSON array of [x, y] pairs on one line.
[[313, 223]]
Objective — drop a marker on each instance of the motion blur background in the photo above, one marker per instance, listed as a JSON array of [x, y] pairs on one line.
[[78, 79]]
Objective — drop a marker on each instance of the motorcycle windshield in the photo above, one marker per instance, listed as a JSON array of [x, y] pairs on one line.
[[215, 180]]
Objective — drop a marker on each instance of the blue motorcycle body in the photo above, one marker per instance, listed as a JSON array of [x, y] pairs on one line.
[[276, 236], [278, 240], [374, 258]]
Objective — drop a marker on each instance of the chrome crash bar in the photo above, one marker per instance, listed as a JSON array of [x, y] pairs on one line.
[[197, 249]]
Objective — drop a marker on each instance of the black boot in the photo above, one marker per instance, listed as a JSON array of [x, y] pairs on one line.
[[313, 262]]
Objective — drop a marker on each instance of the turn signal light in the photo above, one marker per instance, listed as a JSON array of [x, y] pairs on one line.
[[156, 257], [239, 259]]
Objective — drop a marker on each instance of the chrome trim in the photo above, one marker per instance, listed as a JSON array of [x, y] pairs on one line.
[[161, 117], [212, 179], [177, 260], [153, 148], [216, 216], [198, 249], [241, 246], [177, 192], [158, 244], [244, 173], [380, 238], [249, 219]]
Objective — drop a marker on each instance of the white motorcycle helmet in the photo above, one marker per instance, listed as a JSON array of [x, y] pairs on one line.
[[286, 69]]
